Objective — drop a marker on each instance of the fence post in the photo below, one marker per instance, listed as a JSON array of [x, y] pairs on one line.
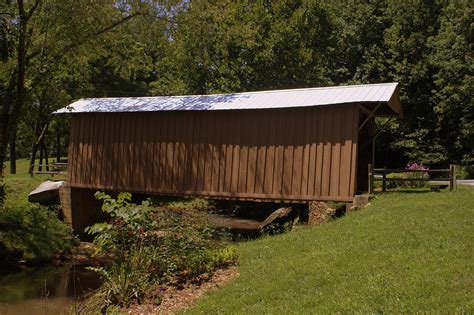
[[455, 183], [371, 179], [384, 184], [451, 177]]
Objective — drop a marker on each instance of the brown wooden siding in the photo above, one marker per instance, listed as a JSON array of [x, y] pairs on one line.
[[297, 154]]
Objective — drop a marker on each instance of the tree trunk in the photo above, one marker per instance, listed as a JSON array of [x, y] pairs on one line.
[[34, 149], [40, 166], [46, 161], [37, 145], [13, 153], [58, 145]]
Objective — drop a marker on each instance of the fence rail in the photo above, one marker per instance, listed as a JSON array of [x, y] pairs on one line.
[[55, 168], [384, 171]]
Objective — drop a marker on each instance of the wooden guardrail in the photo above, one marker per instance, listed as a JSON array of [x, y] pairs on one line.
[[384, 171]]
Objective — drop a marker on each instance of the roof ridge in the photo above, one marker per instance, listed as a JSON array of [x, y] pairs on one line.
[[250, 92]]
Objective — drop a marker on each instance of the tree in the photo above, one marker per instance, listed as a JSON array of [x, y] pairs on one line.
[[47, 40], [454, 81]]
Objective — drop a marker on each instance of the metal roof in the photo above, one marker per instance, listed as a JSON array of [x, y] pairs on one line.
[[368, 93]]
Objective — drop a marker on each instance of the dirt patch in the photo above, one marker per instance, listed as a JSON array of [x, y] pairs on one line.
[[178, 298]]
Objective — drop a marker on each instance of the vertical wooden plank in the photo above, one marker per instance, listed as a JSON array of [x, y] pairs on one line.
[[355, 140], [184, 147], [201, 152], [315, 118], [298, 139], [306, 152], [223, 139], [81, 170], [230, 130], [99, 156], [147, 157], [245, 139], [183, 129], [113, 170], [83, 156], [237, 136], [120, 148], [327, 139], [288, 153], [170, 142], [156, 125], [132, 148], [172, 185], [92, 125], [251, 144], [216, 146], [140, 162], [176, 150], [336, 151], [195, 150], [110, 141], [190, 136], [346, 129], [72, 150], [208, 158], [163, 149], [279, 152], [262, 144], [270, 143]]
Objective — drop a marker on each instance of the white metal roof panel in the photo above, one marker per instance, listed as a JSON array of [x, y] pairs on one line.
[[368, 93]]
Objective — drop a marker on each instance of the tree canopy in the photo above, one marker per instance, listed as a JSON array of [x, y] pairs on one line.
[[56, 51]]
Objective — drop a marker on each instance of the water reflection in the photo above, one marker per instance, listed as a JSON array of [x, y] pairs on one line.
[[45, 290]]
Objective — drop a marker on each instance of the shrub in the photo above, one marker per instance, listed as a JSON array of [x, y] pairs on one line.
[[415, 175], [465, 172], [148, 246], [409, 175], [2, 192], [32, 234]]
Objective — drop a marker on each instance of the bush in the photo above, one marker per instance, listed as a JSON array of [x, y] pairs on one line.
[[32, 234], [409, 175], [148, 246], [465, 172], [2, 192]]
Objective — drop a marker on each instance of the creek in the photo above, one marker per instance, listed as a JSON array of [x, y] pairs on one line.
[[45, 289]]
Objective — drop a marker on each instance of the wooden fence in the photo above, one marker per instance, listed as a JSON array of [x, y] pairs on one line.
[[52, 169], [382, 176]]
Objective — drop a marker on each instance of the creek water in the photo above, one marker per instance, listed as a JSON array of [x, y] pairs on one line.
[[45, 290]]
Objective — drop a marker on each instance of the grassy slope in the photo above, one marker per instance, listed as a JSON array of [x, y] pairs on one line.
[[21, 184], [406, 252]]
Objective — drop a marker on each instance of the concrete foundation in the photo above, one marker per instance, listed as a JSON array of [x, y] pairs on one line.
[[80, 209]]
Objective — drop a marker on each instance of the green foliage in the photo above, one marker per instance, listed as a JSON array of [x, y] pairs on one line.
[[189, 47], [2, 192], [148, 246], [32, 234], [406, 253], [465, 172]]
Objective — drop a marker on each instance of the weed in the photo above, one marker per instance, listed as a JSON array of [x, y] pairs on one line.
[[148, 246]]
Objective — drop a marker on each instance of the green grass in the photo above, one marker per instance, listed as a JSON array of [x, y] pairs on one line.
[[21, 184], [406, 253]]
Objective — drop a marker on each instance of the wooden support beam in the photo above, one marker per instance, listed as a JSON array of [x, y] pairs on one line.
[[370, 115], [371, 179]]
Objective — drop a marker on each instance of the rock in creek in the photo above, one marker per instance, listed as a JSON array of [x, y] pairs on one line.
[[46, 193]]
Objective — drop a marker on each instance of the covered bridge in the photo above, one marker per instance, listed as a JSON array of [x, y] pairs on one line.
[[293, 145]]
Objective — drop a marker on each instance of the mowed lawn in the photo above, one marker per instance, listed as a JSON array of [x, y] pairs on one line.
[[406, 252], [21, 184]]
